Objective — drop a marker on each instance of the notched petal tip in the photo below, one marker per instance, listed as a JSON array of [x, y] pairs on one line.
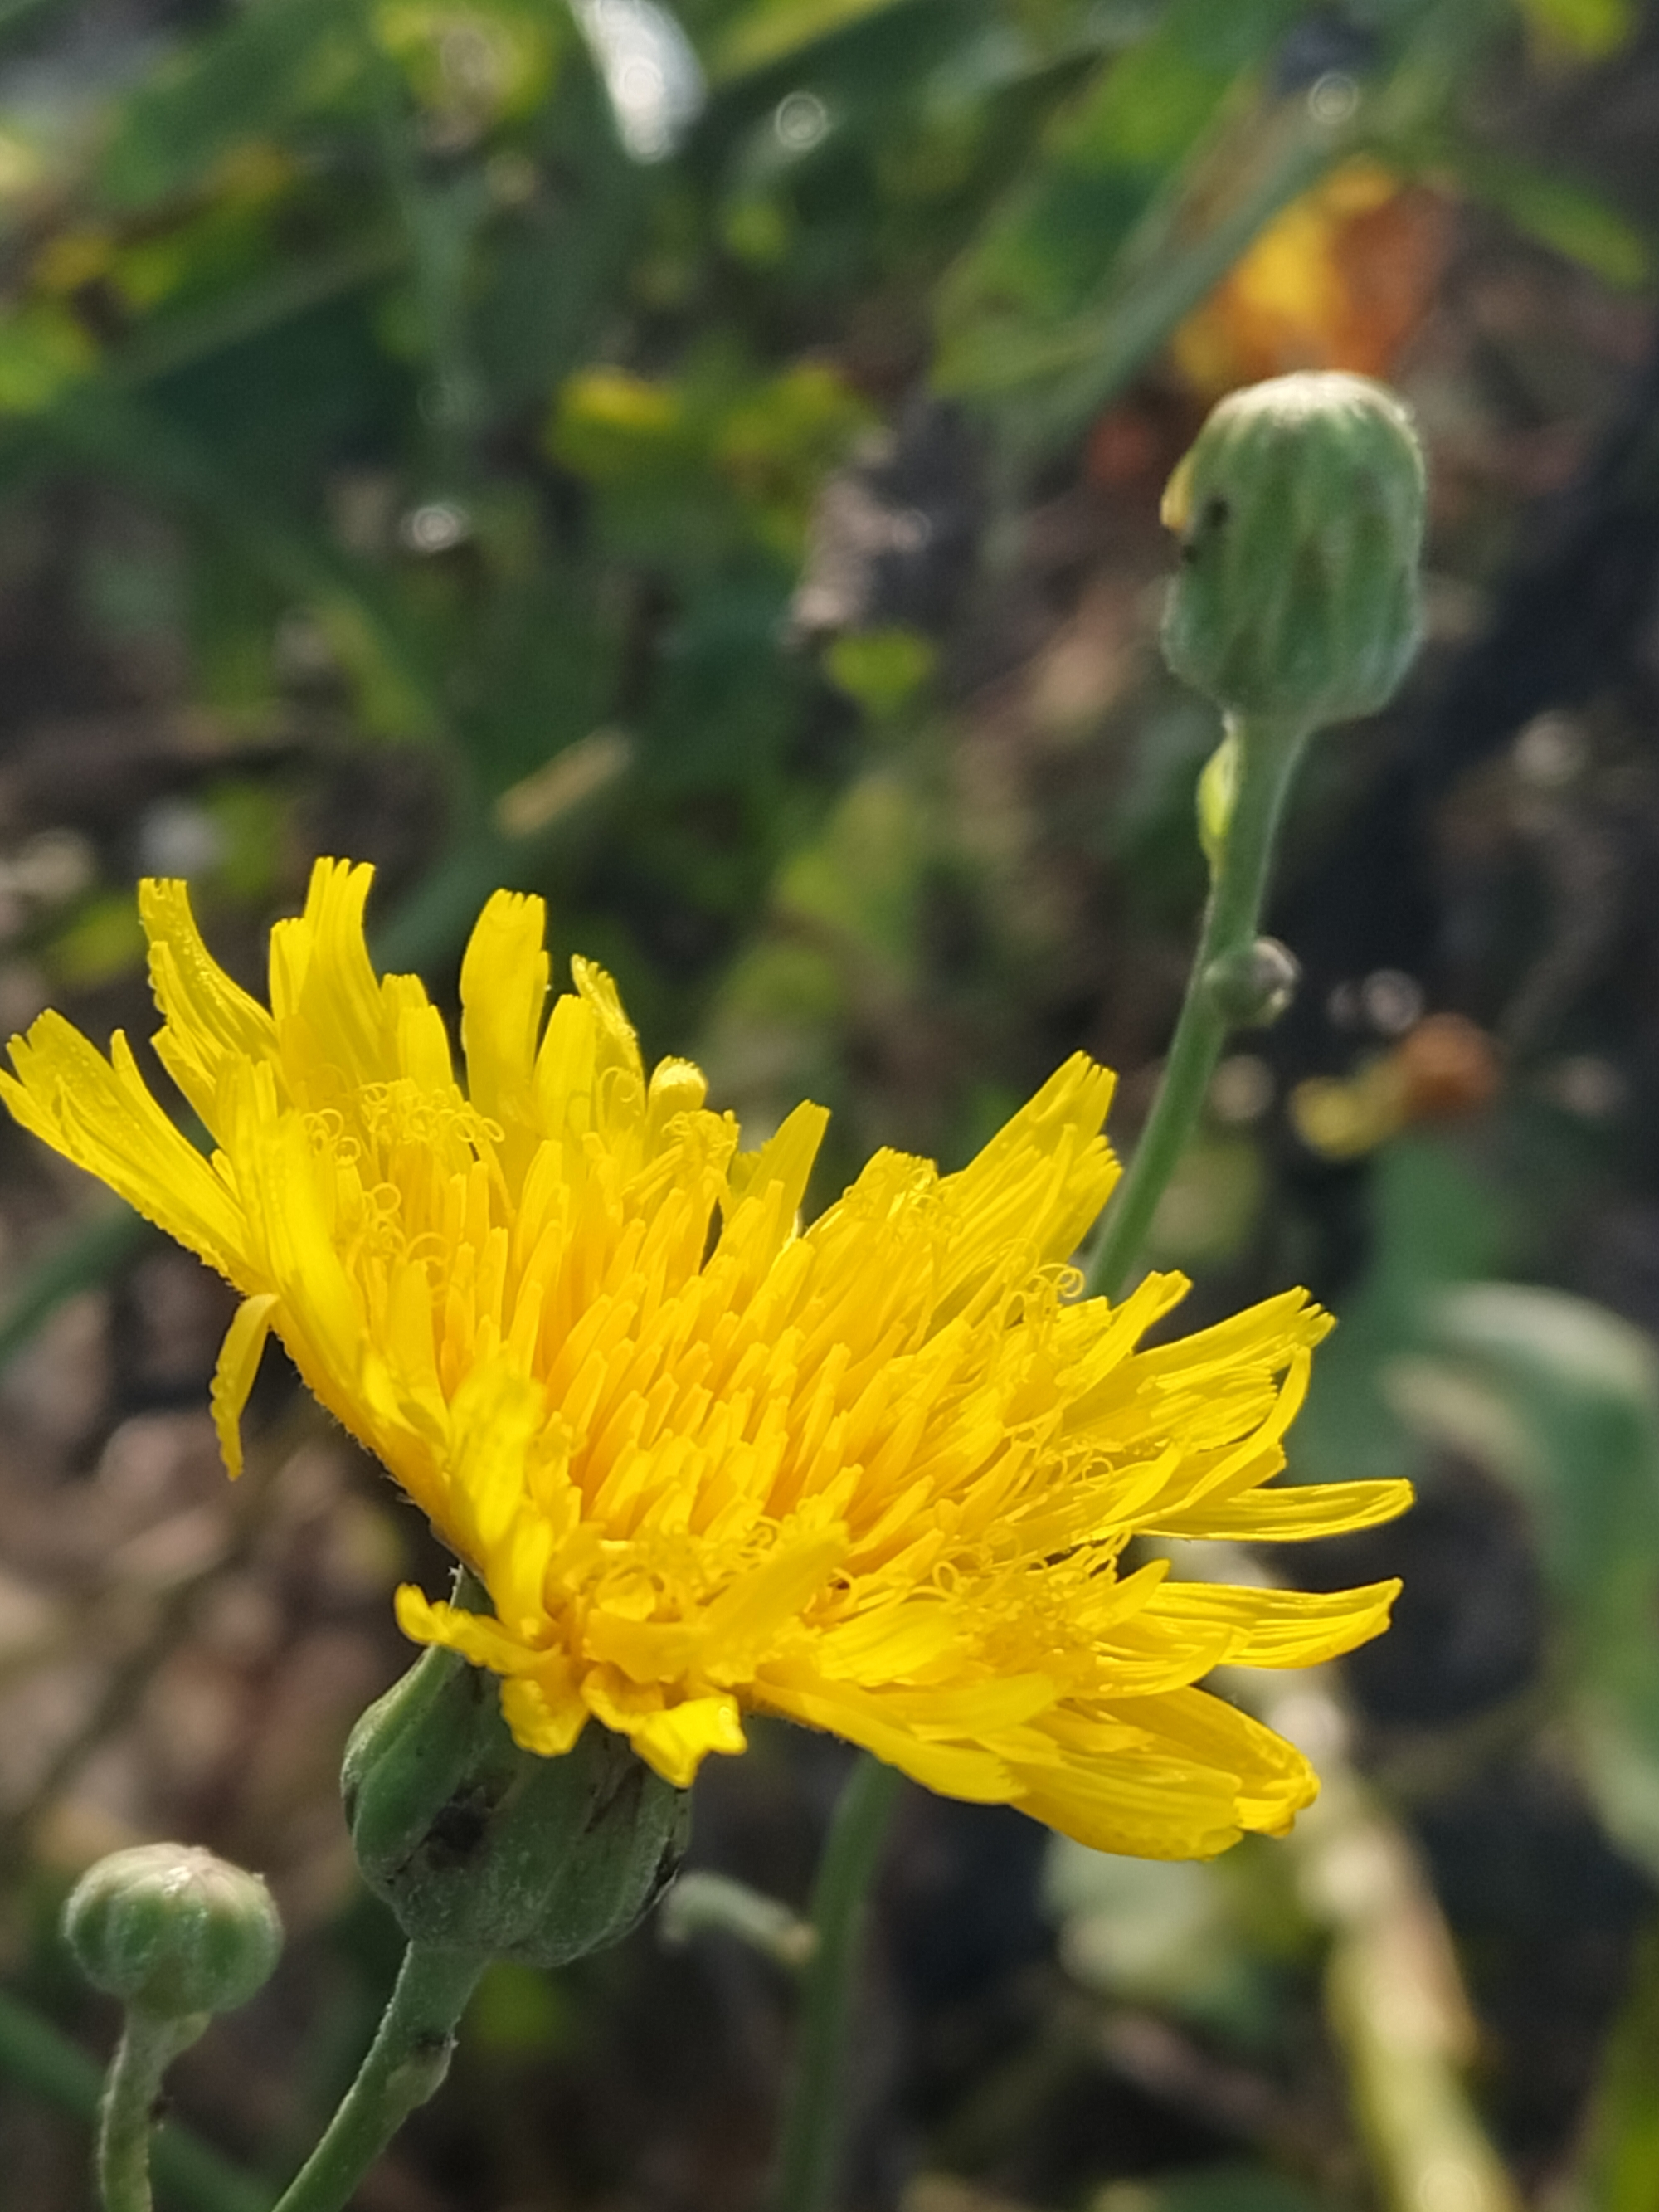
[[675, 1742]]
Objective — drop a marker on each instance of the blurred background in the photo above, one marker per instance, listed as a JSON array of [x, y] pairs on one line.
[[701, 462]]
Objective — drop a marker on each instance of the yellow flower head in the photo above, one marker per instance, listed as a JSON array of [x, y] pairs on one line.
[[876, 1475]]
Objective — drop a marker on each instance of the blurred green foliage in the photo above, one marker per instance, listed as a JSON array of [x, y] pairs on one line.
[[485, 363], [1561, 1399]]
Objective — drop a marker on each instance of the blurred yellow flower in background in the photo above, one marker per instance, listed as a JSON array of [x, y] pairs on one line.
[[1343, 278], [876, 1475]]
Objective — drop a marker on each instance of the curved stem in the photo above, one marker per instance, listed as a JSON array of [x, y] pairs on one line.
[[126, 2113], [406, 2062], [809, 2141], [1267, 755]]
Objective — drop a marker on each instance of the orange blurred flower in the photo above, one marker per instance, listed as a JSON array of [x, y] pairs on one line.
[[1342, 279]]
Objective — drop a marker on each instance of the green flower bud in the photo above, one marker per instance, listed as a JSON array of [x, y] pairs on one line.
[[480, 1847], [173, 1931], [1252, 986], [1299, 508]]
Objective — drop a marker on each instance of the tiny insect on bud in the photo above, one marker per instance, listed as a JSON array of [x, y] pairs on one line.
[[478, 1846], [173, 1931], [1300, 511]]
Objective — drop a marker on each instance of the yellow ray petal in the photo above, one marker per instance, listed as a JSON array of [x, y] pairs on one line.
[[503, 989], [233, 1377], [98, 1112], [1279, 1628], [1033, 1192], [209, 1018], [677, 1740], [545, 1710], [1292, 1513]]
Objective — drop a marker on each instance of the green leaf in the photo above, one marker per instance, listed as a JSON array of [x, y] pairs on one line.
[[43, 350], [247, 80], [104, 941], [1562, 214], [1149, 1931], [882, 669], [1590, 28], [1560, 1398], [1108, 158], [553, 271], [518, 2012], [772, 30], [88, 1255], [861, 883], [373, 632], [1570, 1396], [1621, 2169], [1228, 2188], [190, 2174], [1434, 1222]]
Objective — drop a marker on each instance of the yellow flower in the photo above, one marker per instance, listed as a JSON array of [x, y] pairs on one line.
[[876, 1475], [1344, 277]]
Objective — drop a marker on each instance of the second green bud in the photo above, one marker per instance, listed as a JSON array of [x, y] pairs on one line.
[[174, 1930]]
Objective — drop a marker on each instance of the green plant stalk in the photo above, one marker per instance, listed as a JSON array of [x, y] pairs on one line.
[[1269, 753], [810, 2136], [126, 2114], [188, 2172], [1618, 2169], [406, 2063]]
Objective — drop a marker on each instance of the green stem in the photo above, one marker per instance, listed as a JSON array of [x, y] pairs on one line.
[[1269, 753], [188, 2173], [406, 2063], [812, 2124], [126, 2115]]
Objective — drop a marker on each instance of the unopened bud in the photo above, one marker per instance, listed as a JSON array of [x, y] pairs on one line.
[[173, 1931], [1300, 509], [479, 1846], [1253, 987]]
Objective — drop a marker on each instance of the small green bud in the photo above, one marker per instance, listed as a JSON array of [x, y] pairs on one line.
[[173, 1931], [480, 1847], [1299, 508], [1252, 986]]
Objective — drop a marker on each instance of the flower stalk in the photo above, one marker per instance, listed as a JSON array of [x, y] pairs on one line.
[[406, 2065], [1267, 753], [805, 2169], [127, 2116]]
